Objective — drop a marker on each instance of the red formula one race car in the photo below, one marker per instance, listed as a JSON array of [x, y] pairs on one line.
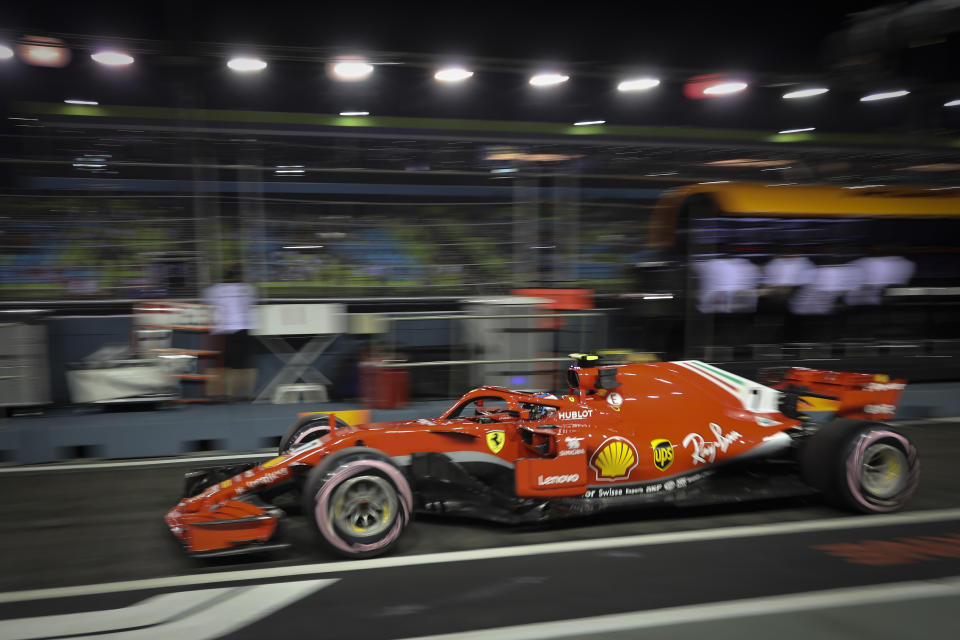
[[625, 435]]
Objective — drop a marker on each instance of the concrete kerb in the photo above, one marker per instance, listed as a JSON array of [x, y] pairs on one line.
[[70, 434]]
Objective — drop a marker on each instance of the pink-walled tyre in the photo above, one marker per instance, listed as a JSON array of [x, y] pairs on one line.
[[359, 502], [306, 429], [864, 466]]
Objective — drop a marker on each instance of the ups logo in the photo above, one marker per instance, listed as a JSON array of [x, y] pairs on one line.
[[662, 454]]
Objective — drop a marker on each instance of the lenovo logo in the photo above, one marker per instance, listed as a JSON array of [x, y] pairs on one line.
[[566, 478]]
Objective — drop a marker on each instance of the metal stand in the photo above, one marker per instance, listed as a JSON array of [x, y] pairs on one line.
[[297, 365]]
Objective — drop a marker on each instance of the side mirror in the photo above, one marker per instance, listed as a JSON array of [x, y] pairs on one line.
[[525, 414]]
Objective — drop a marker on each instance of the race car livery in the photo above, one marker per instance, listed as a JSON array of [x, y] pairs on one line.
[[624, 435]]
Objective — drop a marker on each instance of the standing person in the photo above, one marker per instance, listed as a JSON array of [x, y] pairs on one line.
[[234, 314], [821, 302], [879, 270], [785, 275]]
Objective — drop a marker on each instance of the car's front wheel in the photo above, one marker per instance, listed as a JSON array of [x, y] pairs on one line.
[[359, 502], [865, 466]]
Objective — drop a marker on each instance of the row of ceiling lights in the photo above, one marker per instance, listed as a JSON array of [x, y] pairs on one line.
[[52, 52], [703, 86]]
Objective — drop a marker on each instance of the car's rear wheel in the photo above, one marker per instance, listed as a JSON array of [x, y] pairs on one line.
[[359, 502], [306, 429], [865, 466]]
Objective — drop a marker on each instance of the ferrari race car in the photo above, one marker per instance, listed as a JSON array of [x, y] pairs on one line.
[[625, 435]]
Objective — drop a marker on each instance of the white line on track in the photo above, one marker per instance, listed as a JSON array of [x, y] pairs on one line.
[[597, 626], [149, 612], [571, 546], [194, 615], [153, 462]]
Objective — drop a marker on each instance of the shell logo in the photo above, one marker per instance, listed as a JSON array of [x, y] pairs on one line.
[[614, 459]]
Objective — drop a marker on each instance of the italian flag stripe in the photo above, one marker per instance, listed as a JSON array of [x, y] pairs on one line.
[[688, 364], [720, 372]]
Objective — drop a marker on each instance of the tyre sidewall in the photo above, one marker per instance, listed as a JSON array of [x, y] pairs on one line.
[[832, 459], [295, 433], [332, 472]]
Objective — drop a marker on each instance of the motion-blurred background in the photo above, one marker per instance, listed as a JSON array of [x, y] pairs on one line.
[[435, 197]]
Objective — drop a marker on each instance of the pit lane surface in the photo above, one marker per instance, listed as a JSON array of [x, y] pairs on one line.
[[75, 528]]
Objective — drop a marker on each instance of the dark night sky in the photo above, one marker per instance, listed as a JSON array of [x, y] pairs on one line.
[[767, 42], [765, 36]]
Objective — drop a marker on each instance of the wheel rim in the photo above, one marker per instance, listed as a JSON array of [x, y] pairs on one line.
[[884, 470], [364, 507]]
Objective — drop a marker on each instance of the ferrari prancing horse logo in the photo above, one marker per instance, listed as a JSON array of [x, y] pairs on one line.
[[495, 440]]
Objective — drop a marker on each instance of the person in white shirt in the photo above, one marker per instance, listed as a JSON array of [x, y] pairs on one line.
[[233, 303], [819, 305], [727, 297], [879, 272], [783, 276], [727, 285], [830, 283], [786, 272]]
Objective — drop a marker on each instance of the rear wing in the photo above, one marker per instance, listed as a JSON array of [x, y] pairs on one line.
[[863, 396]]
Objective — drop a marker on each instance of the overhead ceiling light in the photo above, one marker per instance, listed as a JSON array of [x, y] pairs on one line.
[[91, 103], [246, 65], [548, 79], [952, 103], [798, 130], [725, 88], [5, 52], [712, 85], [112, 58], [885, 95], [936, 166], [587, 123], [352, 70], [452, 74], [638, 84], [354, 113], [748, 162], [44, 52], [805, 93], [531, 157]]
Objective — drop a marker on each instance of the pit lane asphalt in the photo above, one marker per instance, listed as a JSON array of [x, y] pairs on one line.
[[94, 526]]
